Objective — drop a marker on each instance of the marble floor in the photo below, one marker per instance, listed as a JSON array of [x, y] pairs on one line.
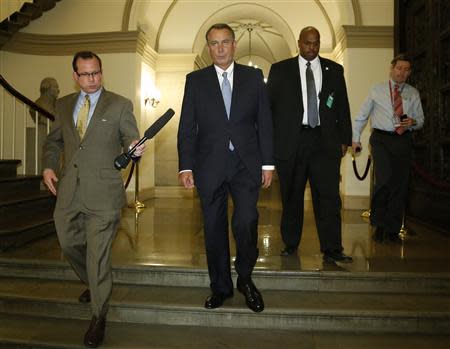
[[169, 232]]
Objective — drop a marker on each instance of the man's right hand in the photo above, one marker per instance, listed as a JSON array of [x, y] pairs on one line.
[[356, 147], [49, 179], [186, 179]]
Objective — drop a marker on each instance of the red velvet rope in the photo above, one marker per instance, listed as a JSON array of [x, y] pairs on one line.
[[427, 177]]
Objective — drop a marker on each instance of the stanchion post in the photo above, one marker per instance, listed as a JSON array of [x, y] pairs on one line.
[[139, 206], [403, 230], [366, 213]]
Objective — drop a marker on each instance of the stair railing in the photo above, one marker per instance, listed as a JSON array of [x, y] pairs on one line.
[[21, 138]]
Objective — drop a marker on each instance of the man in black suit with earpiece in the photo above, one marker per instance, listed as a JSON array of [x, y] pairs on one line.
[[312, 130]]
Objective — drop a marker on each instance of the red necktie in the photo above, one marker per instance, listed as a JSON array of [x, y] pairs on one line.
[[398, 108]]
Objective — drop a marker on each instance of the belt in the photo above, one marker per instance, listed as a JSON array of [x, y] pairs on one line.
[[383, 132], [307, 127]]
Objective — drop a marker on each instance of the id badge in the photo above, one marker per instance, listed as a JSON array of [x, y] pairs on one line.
[[330, 100]]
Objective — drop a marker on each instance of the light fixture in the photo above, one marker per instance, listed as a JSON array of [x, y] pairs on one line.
[[249, 30], [153, 98], [152, 101]]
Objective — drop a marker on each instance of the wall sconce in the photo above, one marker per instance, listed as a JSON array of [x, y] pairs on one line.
[[153, 97], [152, 101]]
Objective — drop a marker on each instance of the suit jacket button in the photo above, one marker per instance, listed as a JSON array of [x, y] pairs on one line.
[[75, 165]]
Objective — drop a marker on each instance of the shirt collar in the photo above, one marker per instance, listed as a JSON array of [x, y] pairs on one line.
[[314, 62], [94, 95], [229, 70]]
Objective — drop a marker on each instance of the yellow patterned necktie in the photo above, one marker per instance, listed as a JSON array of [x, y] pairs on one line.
[[83, 114]]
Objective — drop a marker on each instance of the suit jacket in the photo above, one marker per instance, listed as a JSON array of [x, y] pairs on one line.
[[90, 161], [285, 93], [205, 131]]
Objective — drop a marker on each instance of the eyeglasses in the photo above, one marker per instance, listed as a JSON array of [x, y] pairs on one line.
[[89, 75]]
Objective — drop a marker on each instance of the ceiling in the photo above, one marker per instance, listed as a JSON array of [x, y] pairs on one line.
[[180, 26]]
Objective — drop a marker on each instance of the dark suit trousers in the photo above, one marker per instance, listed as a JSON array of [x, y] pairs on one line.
[[86, 237], [244, 193], [392, 155], [311, 162]]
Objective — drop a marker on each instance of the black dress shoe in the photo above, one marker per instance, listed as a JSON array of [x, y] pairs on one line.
[[85, 297], [253, 298], [335, 256], [379, 234], [216, 300], [95, 333], [288, 251]]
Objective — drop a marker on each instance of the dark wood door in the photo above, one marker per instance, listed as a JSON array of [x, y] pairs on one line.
[[422, 29]]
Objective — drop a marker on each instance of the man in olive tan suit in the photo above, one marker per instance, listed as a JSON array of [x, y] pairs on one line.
[[91, 128]]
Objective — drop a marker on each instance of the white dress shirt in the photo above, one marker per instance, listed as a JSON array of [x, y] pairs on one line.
[[317, 72]]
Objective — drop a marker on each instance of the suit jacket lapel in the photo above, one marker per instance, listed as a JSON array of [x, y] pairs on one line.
[[296, 82], [70, 108], [213, 82], [237, 85], [325, 83]]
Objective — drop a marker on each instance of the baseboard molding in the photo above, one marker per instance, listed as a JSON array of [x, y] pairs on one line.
[[349, 202], [353, 202], [172, 192]]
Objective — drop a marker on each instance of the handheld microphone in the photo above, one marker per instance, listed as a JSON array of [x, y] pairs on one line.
[[123, 160]]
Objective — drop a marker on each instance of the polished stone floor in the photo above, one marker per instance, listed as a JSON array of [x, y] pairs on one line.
[[169, 232]]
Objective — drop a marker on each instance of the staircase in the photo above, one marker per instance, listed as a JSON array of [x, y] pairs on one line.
[[26, 211], [161, 307], [19, 19]]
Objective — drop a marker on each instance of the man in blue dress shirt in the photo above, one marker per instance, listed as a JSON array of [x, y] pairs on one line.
[[395, 111]]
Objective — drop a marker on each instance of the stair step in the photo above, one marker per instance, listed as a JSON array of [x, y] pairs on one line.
[[295, 310], [45, 5], [20, 18], [22, 212], [19, 186], [32, 9], [9, 26], [8, 168], [323, 281], [33, 230], [4, 38], [43, 333]]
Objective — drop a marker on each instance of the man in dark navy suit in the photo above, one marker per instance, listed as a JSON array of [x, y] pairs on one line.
[[312, 130], [225, 144]]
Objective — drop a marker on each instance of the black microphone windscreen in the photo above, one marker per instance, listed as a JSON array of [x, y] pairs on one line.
[[159, 124]]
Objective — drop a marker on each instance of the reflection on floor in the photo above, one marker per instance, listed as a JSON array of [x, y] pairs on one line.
[[169, 232]]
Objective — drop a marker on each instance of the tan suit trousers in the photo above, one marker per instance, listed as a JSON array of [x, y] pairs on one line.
[[86, 238]]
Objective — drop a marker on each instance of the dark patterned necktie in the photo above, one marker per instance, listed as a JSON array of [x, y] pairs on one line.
[[398, 108], [313, 114], [398, 105]]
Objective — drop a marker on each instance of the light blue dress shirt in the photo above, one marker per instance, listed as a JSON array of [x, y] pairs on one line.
[[378, 106]]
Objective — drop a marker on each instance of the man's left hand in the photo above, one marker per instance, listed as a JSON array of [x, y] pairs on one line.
[[139, 150], [344, 149], [266, 178], [407, 122]]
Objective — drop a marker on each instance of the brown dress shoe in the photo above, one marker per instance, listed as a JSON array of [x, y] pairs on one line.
[[85, 297], [95, 333]]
